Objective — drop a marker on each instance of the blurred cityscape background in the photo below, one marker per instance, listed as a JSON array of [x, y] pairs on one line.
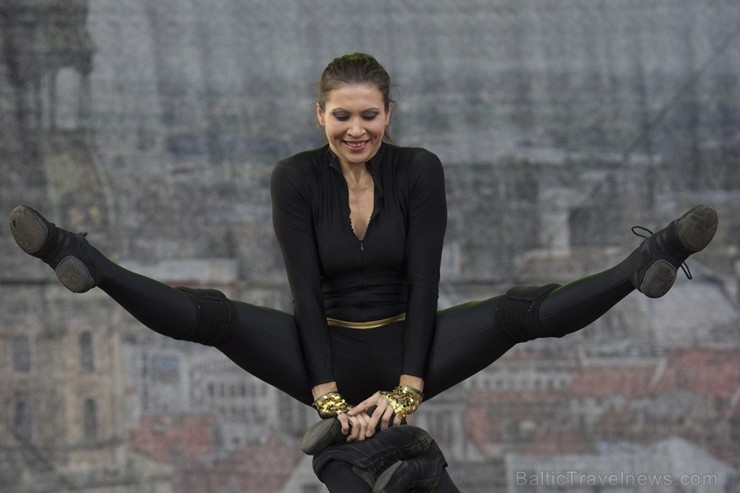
[[154, 126]]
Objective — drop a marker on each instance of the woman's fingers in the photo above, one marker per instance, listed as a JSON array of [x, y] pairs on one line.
[[375, 407], [363, 425], [344, 420], [389, 418], [359, 427], [380, 415], [363, 406]]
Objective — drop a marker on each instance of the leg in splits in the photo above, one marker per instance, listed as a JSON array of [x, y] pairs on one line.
[[262, 341], [470, 337]]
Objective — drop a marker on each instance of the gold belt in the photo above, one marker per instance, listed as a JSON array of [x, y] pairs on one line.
[[372, 324]]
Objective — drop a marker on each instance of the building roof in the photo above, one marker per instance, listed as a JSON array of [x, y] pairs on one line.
[[610, 380], [704, 371], [256, 468], [495, 397], [180, 438]]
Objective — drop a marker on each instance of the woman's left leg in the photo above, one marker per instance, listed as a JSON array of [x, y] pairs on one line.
[[470, 337]]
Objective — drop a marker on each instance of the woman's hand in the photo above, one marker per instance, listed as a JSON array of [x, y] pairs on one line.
[[359, 426], [383, 413]]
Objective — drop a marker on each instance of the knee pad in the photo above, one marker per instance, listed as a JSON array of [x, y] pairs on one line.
[[215, 316], [520, 311]]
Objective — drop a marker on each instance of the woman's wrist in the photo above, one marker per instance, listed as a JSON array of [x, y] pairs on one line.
[[323, 388], [331, 405], [404, 400], [412, 381], [328, 401]]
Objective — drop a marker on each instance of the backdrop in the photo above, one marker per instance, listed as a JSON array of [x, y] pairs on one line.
[[154, 126]]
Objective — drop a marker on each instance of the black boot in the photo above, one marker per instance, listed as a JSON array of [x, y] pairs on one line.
[[69, 254], [371, 457], [661, 254], [419, 474], [322, 434]]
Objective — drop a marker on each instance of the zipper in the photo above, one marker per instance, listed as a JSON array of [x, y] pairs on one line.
[[362, 270], [376, 207]]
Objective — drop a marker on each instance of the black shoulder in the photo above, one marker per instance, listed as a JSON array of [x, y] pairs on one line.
[[419, 162], [297, 168], [414, 156]]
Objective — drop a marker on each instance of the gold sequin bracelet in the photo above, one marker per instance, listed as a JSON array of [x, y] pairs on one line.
[[404, 400], [331, 405]]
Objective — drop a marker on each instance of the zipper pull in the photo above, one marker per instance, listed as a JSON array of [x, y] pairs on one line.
[[362, 247]]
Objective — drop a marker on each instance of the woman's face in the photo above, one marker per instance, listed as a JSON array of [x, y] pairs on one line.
[[354, 119]]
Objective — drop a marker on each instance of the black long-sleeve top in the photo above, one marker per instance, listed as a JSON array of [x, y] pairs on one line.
[[394, 269]]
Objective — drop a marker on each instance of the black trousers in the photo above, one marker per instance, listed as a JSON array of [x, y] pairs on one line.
[[468, 338]]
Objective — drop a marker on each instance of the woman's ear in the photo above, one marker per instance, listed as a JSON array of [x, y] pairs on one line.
[[389, 112], [320, 115]]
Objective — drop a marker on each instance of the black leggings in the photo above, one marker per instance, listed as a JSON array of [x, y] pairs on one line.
[[264, 342]]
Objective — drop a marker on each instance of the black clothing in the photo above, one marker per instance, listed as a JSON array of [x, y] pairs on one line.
[[468, 337], [340, 467], [338, 476], [394, 269], [270, 344]]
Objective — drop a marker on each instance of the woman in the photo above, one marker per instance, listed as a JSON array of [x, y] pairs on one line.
[[361, 224]]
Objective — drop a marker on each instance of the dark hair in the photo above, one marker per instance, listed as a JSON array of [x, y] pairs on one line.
[[356, 68]]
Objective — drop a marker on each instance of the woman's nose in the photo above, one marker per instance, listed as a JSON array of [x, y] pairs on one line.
[[355, 128]]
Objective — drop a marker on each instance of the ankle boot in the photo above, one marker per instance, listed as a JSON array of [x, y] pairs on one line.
[[69, 254], [419, 474], [661, 254], [322, 434], [371, 457]]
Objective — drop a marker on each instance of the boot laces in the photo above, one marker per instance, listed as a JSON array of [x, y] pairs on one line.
[[638, 231]]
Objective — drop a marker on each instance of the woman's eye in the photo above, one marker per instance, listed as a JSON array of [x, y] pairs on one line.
[[369, 116], [342, 117]]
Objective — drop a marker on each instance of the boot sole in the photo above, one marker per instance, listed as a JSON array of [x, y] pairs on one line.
[[319, 436], [658, 279], [28, 229], [74, 275], [382, 483], [697, 227], [30, 232], [695, 230]]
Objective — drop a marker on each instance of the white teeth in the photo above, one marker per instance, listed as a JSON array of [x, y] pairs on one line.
[[354, 144]]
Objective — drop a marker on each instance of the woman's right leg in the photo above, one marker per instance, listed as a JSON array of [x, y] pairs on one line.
[[262, 341]]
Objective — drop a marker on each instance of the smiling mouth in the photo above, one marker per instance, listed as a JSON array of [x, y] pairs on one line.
[[355, 145]]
